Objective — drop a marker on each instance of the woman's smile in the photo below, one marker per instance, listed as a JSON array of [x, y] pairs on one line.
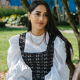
[[40, 23]]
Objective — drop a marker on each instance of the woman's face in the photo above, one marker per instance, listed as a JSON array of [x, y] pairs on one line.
[[38, 18]]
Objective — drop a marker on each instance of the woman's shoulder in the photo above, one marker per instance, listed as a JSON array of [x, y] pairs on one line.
[[14, 38], [58, 42], [58, 39]]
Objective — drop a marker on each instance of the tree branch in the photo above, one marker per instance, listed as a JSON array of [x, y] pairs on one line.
[[71, 21], [25, 4]]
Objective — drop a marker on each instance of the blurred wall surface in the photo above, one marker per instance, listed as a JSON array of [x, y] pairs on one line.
[[15, 3], [71, 3], [4, 2]]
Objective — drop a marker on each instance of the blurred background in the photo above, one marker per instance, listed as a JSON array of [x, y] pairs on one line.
[[12, 12]]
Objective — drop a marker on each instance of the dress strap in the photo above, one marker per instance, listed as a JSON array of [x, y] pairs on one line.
[[51, 42], [22, 41]]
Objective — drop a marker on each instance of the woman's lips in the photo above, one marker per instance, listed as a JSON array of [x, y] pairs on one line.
[[40, 23]]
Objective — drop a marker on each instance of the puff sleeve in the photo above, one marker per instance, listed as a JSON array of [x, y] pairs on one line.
[[59, 70], [18, 70]]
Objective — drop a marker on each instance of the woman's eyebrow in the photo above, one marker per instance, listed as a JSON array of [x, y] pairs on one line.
[[40, 12]]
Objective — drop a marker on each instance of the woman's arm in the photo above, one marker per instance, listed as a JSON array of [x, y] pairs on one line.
[[18, 70], [60, 70]]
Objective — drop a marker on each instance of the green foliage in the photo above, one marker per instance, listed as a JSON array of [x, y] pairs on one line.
[[2, 24], [16, 20], [74, 16], [5, 19], [23, 20], [11, 18], [61, 22], [66, 27], [11, 11]]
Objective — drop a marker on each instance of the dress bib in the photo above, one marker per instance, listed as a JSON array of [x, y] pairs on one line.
[[41, 62]]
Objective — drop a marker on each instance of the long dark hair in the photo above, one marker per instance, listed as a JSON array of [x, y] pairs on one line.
[[51, 27]]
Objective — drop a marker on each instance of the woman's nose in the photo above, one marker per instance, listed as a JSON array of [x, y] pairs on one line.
[[41, 18]]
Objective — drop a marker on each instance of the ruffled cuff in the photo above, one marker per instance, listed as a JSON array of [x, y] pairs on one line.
[[18, 71]]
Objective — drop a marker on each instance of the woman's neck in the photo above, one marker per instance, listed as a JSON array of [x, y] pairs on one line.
[[37, 32]]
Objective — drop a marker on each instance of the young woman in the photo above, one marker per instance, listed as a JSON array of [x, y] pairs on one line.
[[43, 52]]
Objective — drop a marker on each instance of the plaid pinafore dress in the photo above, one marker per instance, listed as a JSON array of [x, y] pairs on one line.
[[40, 62]]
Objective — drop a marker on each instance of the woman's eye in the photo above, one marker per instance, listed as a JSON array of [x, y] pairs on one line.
[[46, 15], [37, 14]]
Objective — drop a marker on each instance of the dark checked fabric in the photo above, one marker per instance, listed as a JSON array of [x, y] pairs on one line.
[[40, 63]]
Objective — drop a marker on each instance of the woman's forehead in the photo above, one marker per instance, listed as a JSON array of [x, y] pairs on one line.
[[40, 8]]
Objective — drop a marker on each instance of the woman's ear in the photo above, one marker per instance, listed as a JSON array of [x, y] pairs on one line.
[[29, 16]]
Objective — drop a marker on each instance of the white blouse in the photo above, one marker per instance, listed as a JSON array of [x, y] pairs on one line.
[[18, 70]]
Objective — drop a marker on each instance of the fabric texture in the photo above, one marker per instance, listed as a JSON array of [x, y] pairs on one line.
[[41, 62], [18, 70]]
